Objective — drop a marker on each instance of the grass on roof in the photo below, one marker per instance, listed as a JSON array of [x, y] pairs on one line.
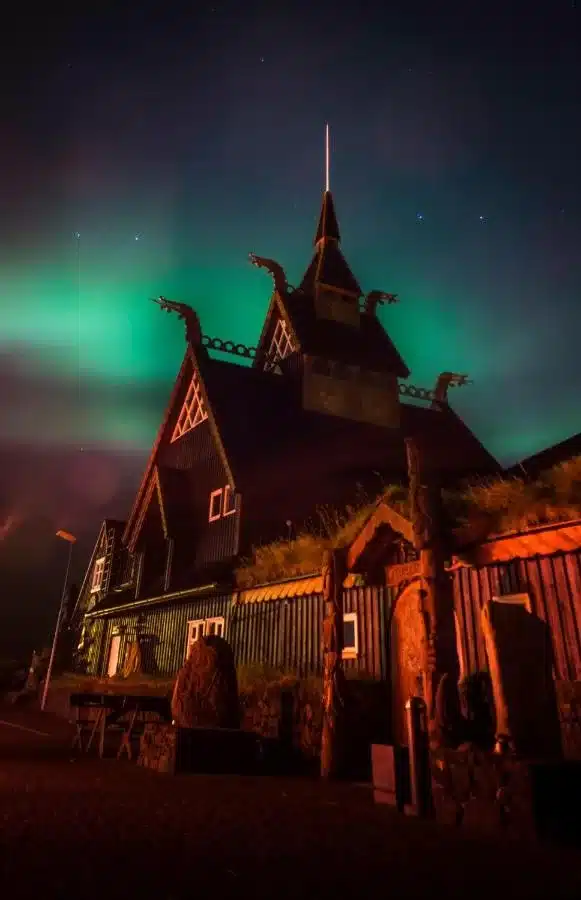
[[485, 507], [303, 554]]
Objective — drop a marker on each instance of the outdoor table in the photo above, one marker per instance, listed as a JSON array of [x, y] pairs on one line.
[[111, 708]]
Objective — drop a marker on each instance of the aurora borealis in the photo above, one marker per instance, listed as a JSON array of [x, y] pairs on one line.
[[175, 141]]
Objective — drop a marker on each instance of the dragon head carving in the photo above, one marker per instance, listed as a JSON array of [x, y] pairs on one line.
[[188, 315], [276, 271], [375, 298], [445, 381]]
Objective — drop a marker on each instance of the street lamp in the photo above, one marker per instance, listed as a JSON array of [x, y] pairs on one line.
[[71, 540]]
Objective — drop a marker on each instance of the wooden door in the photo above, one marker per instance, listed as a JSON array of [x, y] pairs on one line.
[[407, 651], [114, 648]]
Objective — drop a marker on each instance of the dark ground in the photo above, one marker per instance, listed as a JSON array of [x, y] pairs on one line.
[[90, 828]]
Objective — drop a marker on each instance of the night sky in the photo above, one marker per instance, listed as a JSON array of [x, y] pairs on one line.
[[147, 151]]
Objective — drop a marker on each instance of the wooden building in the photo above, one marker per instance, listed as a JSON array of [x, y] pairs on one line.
[[247, 451], [280, 625]]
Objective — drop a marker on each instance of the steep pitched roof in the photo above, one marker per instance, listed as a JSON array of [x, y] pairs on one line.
[[368, 346], [328, 227], [195, 359], [364, 344], [259, 413], [100, 546], [329, 267], [551, 456]]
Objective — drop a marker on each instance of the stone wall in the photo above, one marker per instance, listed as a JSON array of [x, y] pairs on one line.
[[292, 712], [158, 746], [285, 710], [507, 796], [166, 748], [481, 790]]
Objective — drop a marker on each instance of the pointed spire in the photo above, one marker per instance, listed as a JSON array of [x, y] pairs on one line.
[[328, 228], [327, 160]]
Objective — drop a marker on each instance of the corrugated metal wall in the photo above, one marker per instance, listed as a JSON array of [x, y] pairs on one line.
[[285, 634], [554, 586]]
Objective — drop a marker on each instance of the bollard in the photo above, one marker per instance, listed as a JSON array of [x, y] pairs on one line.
[[417, 729]]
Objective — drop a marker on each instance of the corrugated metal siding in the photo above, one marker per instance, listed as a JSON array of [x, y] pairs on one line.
[[167, 627], [98, 629], [554, 586], [285, 633]]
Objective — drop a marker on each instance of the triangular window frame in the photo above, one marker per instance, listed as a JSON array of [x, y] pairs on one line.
[[281, 346], [193, 411]]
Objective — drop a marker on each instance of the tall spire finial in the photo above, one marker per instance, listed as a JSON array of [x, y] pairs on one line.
[[327, 160]]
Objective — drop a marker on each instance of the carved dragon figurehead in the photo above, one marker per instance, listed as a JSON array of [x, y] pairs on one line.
[[187, 314], [277, 272], [445, 381], [375, 298]]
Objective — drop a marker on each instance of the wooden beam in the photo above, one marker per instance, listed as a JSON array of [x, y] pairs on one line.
[[333, 674], [383, 516]]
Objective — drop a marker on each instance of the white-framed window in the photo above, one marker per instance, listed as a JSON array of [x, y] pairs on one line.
[[223, 502], [215, 510], [196, 630], [281, 345], [350, 636], [215, 626], [98, 572], [229, 501], [193, 411]]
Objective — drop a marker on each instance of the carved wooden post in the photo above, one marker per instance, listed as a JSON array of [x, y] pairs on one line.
[[438, 604], [333, 676]]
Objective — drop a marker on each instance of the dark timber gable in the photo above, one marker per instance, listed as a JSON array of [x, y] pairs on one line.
[[169, 525]]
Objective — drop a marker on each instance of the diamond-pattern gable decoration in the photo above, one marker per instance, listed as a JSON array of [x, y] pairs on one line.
[[193, 411], [281, 345]]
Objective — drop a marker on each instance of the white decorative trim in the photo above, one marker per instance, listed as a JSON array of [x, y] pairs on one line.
[[229, 493], [193, 411], [98, 572], [195, 627], [213, 516], [352, 651], [281, 346], [218, 623]]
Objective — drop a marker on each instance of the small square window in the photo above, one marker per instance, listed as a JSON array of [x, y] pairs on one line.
[[98, 572], [229, 501], [350, 636], [215, 505]]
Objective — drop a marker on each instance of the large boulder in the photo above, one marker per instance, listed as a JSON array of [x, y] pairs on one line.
[[206, 689]]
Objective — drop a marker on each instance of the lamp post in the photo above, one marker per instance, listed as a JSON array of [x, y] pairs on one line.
[[71, 540]]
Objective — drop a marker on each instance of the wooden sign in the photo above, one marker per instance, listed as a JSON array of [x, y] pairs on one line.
[[402, 572]]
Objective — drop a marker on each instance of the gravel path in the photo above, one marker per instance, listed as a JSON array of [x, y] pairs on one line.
[[89, 828]]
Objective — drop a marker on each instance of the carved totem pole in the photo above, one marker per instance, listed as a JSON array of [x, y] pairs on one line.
[[441, 658], [333, 572]]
